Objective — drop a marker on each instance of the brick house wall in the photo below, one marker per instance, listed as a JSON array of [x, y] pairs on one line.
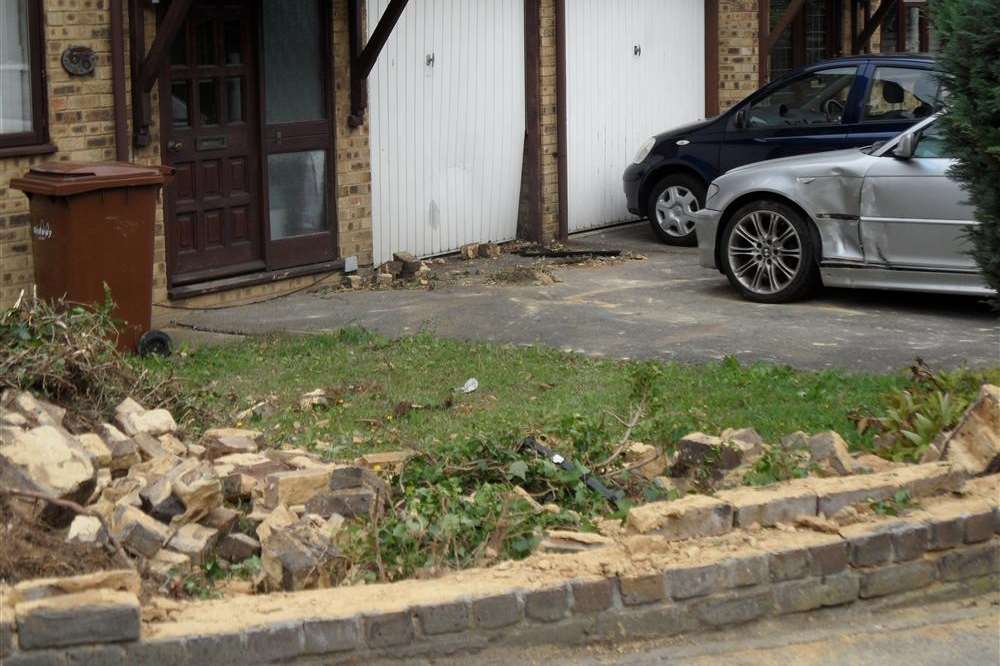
[[739, 52]]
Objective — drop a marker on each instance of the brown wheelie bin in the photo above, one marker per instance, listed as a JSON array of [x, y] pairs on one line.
[[91, 226]]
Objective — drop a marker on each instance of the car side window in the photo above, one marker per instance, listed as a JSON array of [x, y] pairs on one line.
[[931, 143], [820, 98], [900, 93]]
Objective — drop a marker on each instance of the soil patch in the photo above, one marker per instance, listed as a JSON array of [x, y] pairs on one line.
[[31, 550]]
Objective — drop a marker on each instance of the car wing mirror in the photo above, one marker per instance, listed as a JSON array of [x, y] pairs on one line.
[[905, 147], [741, 118]]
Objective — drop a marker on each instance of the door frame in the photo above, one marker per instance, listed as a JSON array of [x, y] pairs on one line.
[[273, 266]]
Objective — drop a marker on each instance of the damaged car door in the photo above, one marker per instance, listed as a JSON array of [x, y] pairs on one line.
[[913, 216]]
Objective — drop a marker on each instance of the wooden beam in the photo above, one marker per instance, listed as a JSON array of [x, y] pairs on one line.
[[864, 40], [786, 20], [386, 24], [363, 59], [166, 32]]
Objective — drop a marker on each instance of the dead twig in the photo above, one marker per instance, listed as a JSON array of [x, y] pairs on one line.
[[77, 509], [624, 441]]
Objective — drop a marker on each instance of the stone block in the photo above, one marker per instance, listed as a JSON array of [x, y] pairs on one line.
[[733, 608], [974, 444], [869, 544], [829, 558], [57, 463], [769, 506], [295, 487], [789, 564], [237, 547], [94, 616], [85, 529], [690, 517], [138, 532], [591, 596], [154, 422], [388, 630], [979, 526], [221, 518], [96, 447], [195, 541], [275, 642], [219, 442], [331, 636], [697, 450], [350, 503], [909, 541], [745, 571], [897, 578], [447, 618], [971, 562], [837, 492], [497, 611], [549, 605], [811, 593], [121, 580], [223, 649], [830, 448], [155, 652], [96, 655], [642, 589], [697, 581]]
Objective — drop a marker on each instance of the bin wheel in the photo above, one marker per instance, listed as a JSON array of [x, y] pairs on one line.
[[154, 342]]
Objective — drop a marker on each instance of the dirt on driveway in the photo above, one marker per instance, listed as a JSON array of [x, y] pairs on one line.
[[656, 302]]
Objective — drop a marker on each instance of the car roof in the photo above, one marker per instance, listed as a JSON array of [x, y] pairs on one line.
[[923, 58]]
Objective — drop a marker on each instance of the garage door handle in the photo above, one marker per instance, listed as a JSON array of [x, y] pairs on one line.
[[174, 146], [637, 50]]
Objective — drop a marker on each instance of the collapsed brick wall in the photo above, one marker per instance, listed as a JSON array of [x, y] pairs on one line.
[[81, 127]]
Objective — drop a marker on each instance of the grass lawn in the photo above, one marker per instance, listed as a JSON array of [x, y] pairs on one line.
[[373, 381]]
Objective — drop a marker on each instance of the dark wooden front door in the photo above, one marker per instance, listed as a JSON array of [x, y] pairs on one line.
[[210, 133]]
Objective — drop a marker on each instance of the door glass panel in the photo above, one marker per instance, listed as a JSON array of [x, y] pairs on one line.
[[208, 102], [931, 143], [817, 99], [204, 41], [234, 100], [297, 193], [178, 52], [180, 103], [232, 46], [293, 61], [898, 93]]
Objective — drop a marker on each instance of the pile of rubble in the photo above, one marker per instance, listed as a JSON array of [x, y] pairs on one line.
[[174, 505]]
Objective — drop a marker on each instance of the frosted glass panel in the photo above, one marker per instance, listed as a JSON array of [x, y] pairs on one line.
[[293, 61], [297, 193], [15, 68]]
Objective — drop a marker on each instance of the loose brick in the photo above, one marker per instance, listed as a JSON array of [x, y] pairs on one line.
[[329, 636], [837, 492], [830, 558], [592, 595], [689, 582], [275, 642], [690, 517], [897, 578], [388, 630], [929, 479], [789, 564], [95, 616], [909, 541], [546, 605], [637, 590], [495, 612], [869, 544], [962, 563], [735, 608], [444, 618], [768, 507]]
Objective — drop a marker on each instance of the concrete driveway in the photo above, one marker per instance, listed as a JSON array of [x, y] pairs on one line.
[[667, 307]]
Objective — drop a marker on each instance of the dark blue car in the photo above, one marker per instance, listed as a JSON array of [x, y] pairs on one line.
[[852, 101]]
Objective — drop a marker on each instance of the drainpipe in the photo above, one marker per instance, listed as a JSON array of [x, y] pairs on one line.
[[118, 80]]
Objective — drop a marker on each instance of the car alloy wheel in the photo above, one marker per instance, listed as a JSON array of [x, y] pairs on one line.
[[675, 208], [765, 252]]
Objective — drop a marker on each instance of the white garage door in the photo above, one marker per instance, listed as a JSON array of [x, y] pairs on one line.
[[634, 68], [447, 125]]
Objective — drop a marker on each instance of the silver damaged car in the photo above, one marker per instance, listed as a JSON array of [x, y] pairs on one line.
[[885, 217]]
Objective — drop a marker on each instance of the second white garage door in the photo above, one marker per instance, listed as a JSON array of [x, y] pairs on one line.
[[634, 68], [447, 126]]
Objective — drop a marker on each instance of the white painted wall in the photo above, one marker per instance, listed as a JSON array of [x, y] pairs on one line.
[[447, 139], [616, 99]]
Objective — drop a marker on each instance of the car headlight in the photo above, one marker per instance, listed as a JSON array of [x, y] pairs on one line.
[[713, 190], [645, 150]]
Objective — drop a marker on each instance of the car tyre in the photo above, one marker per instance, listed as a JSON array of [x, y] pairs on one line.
[[670, 205], [769, 252]]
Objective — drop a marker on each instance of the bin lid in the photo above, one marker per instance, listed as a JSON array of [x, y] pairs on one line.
[[68, 178]]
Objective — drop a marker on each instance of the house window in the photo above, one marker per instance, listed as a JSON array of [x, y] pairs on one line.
[[23, 117]]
